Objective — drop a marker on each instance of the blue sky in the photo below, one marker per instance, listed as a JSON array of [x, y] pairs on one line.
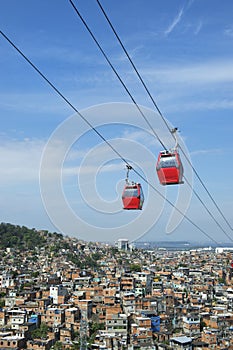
[[182, 49]]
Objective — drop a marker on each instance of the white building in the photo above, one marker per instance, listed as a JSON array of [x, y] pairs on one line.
[[56, 291], [122, 244], [6, 280], [223, 249]]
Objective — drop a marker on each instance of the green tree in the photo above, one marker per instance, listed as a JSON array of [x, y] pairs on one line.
[[222, 280], [202, 325], [35, 274], [57, 346], [94, 327], [41, 332], [135, 268]]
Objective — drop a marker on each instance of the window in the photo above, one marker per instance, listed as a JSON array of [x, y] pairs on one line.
[[168, 162], [131, 192]]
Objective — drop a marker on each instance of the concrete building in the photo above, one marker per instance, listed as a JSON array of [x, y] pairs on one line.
[[123, 244]]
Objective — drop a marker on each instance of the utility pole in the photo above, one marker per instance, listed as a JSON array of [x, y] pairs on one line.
[[83, 330]]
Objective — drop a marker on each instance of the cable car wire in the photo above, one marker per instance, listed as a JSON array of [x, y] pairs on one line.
[[131, 61], [164, 120], [64, 98], [209, 212], [103, 138], [157, 108], [118, 76]]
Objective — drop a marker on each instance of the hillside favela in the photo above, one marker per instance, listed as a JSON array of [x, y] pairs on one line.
[[58, 292]]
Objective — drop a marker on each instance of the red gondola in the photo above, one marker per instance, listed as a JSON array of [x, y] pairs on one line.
[[132, 196], [169, 166]]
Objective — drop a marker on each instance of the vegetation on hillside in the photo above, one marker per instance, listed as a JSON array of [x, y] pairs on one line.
[[19, 237], [56, 246]]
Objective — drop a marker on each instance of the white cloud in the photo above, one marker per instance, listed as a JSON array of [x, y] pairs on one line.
[[229, 31], [149, 138], [91, 169], [206, 152], [175, 22], [75, 154], [132, 53], [198, 28], [32, 102], [55, 53], [209, 72], [20, 161], [204, 104], [141, 136]]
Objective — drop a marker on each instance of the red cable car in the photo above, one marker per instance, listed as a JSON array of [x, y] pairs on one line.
[[132, 196], [169, 167]]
